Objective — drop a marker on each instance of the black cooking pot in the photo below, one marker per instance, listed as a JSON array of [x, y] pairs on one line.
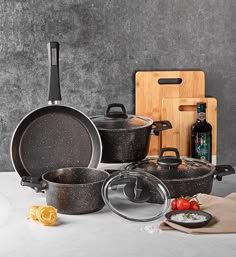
[[182, 176], [71, 190], [125, 138]]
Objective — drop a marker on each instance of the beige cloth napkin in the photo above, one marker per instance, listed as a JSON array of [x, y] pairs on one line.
[[223, 211]]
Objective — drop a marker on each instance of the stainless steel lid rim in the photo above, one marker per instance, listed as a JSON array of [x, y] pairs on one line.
[[132, 213], [148, 121]]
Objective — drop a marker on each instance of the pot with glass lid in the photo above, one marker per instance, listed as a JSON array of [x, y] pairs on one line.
[[182, 176], [125, 137]]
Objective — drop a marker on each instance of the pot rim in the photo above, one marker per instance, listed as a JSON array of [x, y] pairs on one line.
[[180, 179], [75, 184], [148, 120]]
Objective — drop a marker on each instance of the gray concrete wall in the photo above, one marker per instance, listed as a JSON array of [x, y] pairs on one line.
[[103, 43]]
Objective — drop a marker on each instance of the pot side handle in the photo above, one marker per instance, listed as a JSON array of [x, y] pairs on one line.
[[34, 182], [160, 126], [223, 170]]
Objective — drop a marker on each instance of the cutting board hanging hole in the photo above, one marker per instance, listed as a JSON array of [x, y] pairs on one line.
[[167, 81], [187, 108]]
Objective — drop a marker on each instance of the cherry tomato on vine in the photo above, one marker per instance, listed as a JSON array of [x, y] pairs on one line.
[[174, 205], [193, 202], [194, 205], [183, 204]]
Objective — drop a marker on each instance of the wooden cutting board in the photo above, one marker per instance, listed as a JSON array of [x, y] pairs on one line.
[[152, 86], [182, 113]]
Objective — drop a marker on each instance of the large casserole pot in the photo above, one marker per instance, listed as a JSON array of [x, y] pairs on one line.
[[182, 176], [125, 138]]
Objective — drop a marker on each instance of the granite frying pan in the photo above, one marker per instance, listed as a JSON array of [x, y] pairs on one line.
[[54, 136]]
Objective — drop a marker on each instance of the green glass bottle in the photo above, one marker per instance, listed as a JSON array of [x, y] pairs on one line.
[[201, 135]]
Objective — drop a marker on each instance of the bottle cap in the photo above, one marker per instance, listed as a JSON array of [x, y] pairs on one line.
[[201, 107]]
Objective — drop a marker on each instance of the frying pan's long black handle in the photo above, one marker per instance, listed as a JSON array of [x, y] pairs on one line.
[[54, 93]]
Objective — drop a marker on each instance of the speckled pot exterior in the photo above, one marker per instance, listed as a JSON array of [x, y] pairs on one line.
[[80, 197], [189, 187], [125, 145]]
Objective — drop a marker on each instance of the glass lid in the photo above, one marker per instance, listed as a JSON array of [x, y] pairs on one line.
[[173, 167], [136, 195], [114, 119]]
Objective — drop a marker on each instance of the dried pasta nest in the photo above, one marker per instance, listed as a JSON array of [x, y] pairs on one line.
[[44, 214]]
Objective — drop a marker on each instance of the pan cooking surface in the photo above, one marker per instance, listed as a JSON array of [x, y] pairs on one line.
[[52, 138], [55, 139]]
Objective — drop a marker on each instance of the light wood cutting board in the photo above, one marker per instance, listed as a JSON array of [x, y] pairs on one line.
[[182, 113], [150, 90]]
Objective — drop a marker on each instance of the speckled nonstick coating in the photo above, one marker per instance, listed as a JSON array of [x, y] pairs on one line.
[[75, 190], [55, 137]]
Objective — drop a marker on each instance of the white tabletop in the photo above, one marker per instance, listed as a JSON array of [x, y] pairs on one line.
[[97, 234]]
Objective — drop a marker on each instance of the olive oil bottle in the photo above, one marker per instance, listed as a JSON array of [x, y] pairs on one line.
[[201, 135]]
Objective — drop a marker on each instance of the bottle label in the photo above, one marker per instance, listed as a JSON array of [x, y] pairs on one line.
[[202, 147], [201, 116]]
